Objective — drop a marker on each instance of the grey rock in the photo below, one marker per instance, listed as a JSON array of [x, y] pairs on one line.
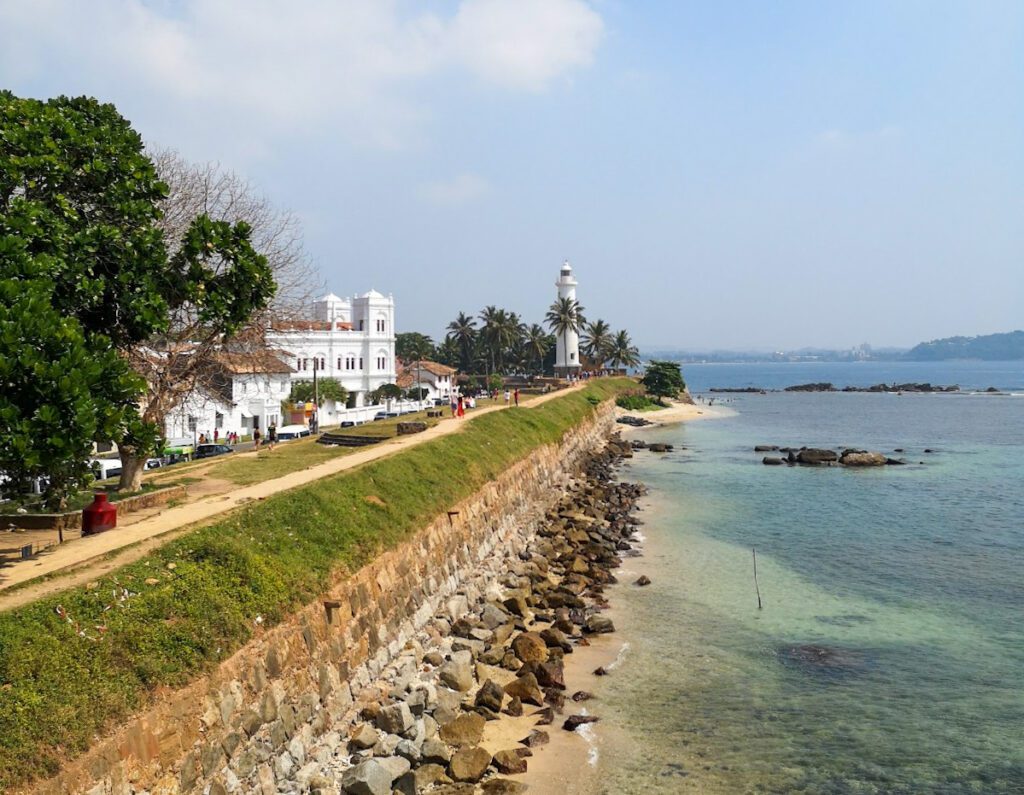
[[395, 719], [367, 778], [457, 675]]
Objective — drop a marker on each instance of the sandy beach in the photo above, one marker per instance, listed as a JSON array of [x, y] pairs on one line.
[[677, 411]]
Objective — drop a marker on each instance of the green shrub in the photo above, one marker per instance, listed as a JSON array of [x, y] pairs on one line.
[[638, 402]]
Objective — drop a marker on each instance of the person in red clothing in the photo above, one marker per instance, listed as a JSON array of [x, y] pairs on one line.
[[462, 406], [515, 395]]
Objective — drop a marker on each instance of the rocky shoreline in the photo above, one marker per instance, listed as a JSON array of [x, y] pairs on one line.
[[422, 726], [925, 388]]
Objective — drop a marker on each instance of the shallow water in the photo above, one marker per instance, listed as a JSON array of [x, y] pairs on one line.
[[889, 653]]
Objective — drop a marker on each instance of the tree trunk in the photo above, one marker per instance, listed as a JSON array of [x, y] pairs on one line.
[[132, 466]]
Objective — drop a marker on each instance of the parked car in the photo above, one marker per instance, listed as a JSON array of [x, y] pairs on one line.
[[104, 468], [380, 415], [210, 450], [286, 432], [154, 463]]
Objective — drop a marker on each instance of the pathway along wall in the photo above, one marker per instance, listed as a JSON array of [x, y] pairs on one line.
[[299, 683]]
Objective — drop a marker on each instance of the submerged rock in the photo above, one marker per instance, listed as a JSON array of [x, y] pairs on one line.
[[823, 660]]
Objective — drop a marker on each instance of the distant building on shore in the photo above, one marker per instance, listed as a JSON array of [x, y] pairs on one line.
[[567, 345], [352, 341]]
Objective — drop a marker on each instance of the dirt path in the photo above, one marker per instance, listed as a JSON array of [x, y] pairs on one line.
[[90, 557]]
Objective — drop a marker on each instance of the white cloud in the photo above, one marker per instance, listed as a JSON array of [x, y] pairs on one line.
[[260, 67], [458, 190], [525, 43]]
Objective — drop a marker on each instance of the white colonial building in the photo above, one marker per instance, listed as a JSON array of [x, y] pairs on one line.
[[567, 345], [240, 393], [352, 341]]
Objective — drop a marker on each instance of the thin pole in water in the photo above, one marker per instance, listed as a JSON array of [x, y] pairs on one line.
[[758, 590]]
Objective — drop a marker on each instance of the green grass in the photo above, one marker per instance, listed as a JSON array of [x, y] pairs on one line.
[[291, 456], [59, 690]]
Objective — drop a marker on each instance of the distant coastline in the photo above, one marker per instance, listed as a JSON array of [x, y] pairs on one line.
[[986, 348]]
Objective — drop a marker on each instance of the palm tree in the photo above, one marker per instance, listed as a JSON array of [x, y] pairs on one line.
[[463, 331], [535, 345], [597, 341], [563, 316], [623, 353], [492, 319]]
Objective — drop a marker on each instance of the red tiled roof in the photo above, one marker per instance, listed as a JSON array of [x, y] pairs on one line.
[[436, 368], [310, 325]]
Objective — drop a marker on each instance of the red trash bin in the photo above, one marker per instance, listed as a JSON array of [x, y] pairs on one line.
[[101, 515]]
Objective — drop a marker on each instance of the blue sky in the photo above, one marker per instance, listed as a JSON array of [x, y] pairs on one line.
[[730, 175]]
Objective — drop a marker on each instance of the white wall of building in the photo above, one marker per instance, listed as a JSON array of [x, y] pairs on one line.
[[256, 403], [361, 358]]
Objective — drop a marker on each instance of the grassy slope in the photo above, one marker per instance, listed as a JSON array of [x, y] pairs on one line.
[[58, 689]]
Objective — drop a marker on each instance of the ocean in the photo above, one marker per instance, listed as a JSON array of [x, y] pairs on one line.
[[888, 654]]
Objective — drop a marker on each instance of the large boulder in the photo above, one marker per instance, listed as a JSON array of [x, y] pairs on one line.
[[469, 764], [863, 459], [456, 674], [598, 624], [509, 762], [421, 778], [367, 778], [530, 647], [526, 689], [465, 730], [815, 456], [490, 695], [395, 719]]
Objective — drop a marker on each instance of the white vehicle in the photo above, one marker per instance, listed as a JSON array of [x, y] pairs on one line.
[[286, 432], [104, 468]]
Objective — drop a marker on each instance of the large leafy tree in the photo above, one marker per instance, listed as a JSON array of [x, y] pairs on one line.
[[77, 189], [412, 345], [565, 316], [60, 390], [326, 389], [663, 379]]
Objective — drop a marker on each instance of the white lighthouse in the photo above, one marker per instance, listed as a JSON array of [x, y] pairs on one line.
[[567, 347]]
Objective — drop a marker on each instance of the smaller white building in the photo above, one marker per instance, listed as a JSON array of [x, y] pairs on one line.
[[437, 379], [242, 393]]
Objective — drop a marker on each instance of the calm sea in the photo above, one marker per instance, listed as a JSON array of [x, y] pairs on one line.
[[888, 656]]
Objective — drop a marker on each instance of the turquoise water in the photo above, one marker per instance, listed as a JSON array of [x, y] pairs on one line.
[[909, 579]]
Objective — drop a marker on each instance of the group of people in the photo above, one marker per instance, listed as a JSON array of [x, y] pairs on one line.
[[231, 437], [459, 403]]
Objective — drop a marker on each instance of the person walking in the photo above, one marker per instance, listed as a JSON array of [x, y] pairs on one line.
[[256, 437], [462, 407], [508, 398], [454, 404], [271, 436], [515, 396]]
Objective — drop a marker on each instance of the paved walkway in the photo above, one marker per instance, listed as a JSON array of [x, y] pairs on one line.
[[77, 561]]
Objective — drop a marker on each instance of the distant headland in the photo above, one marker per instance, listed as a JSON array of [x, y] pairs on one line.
[[1004, 347]]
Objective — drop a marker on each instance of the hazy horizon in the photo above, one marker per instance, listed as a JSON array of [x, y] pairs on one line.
[[758, 176]]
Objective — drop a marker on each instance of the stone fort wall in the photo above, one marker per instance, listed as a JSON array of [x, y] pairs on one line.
[[257, 722]]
